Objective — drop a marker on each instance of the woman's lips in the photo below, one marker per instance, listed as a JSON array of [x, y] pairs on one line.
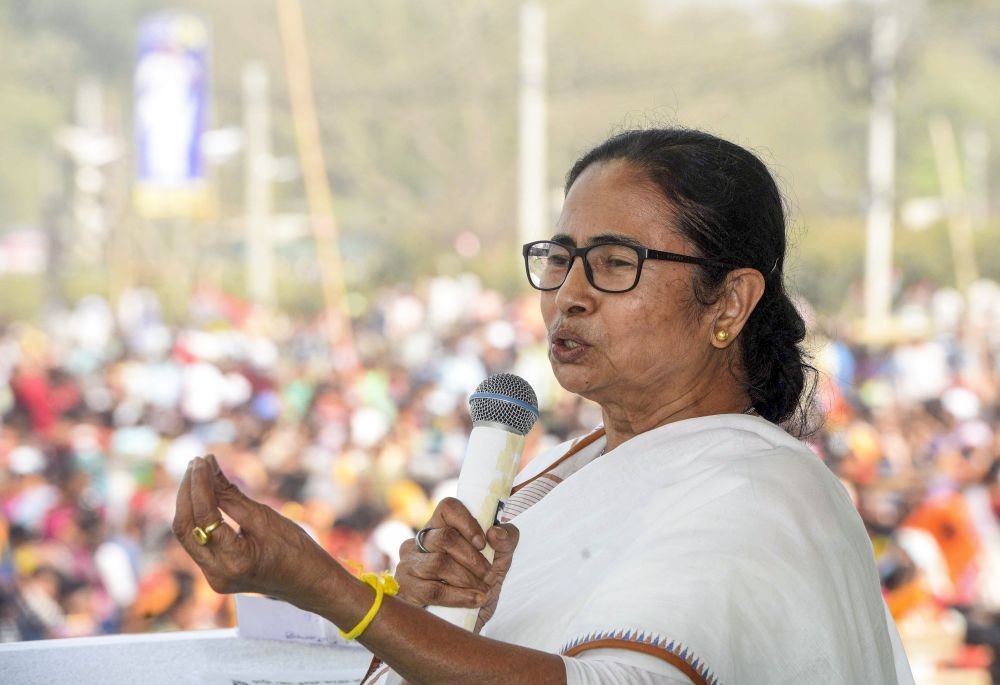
[[566, 349]]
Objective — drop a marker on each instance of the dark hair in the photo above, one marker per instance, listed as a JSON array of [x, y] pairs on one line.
[[728, 207]]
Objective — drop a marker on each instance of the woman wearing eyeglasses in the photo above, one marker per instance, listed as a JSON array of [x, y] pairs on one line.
[[687, 539]]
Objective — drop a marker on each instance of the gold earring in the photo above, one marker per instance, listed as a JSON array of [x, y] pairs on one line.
[[722, 335]]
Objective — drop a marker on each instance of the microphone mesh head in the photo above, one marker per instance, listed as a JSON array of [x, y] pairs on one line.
[[506, 399]]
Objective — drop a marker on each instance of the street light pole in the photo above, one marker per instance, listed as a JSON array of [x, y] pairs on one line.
[[532, 143], [881, 170]]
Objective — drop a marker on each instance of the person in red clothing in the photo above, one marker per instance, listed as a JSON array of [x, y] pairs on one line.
[[33, 395]]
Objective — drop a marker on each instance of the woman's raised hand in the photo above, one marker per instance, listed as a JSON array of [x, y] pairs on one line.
[[268, 553], [453, 572]]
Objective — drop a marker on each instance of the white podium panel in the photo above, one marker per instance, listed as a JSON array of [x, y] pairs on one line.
[[204, 657]]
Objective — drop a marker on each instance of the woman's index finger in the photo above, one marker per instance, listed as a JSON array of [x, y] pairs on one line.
[[183, 515], [204, 507], [456, 515]]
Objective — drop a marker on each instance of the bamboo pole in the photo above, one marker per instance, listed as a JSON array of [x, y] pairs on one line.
[[310, 148], [949, 171]]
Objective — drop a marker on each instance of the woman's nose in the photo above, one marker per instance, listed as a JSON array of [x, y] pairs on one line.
[[576, 293]]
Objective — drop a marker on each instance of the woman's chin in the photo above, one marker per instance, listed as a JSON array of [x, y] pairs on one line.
[[572, 379]]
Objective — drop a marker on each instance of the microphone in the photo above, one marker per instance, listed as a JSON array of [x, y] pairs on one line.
[[503, 408]]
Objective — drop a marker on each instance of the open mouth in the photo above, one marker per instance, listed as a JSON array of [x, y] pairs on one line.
[[567, 348]]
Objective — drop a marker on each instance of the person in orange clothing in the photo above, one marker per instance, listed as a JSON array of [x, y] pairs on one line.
[[946, 517]]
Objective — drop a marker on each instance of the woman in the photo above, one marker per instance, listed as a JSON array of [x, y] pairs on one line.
[[689, 539]]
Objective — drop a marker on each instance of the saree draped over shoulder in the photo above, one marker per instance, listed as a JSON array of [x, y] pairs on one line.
[[720, 545]]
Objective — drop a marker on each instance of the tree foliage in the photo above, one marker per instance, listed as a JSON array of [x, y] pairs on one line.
[[418, 110]]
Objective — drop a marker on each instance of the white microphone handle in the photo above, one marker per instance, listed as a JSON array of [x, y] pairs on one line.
[[491, 458]]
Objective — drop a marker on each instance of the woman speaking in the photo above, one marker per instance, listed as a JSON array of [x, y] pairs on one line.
[[689, 539]]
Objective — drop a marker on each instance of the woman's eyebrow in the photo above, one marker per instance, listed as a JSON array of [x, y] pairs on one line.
[[604, 238], [599, 239]]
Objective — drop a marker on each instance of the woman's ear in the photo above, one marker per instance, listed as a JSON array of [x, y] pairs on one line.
[[740, 294]]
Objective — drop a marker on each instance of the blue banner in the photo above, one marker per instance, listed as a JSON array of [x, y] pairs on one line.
[[172, 92]]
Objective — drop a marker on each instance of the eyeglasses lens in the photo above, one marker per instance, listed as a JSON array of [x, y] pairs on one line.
[[613, 268]]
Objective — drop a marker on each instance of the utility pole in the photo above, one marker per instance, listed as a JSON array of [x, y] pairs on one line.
[[532, 141], [258, 196], [956, 201], [881, 170], [89, 214], [87, 151]]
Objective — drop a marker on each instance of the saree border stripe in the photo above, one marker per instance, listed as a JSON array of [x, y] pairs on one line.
[[671, 651], [577, 446]]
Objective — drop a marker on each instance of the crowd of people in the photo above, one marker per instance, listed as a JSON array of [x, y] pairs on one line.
[[104, 404]]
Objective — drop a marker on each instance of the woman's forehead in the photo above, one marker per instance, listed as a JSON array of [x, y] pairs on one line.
[[615, 199]]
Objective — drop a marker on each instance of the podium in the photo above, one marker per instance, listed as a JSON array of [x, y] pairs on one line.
[[197, 657]]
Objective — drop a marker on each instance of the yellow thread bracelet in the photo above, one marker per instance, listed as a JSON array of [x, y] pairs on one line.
[[383, 584]]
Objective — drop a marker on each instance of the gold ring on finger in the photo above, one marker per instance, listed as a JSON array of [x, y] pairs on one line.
[[203, 535]]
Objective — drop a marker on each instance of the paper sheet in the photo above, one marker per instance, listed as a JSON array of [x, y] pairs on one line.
[[339, 676]]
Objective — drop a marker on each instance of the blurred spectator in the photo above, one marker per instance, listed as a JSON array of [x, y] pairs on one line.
[[106, 405]]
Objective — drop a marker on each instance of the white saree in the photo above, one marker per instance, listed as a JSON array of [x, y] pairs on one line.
[[719, 545], [715, 550]]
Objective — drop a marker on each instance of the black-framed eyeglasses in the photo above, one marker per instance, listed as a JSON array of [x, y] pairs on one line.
[[610, 267]]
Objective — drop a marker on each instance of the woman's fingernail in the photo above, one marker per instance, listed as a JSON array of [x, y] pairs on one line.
[[502, 532], [478, 541]]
